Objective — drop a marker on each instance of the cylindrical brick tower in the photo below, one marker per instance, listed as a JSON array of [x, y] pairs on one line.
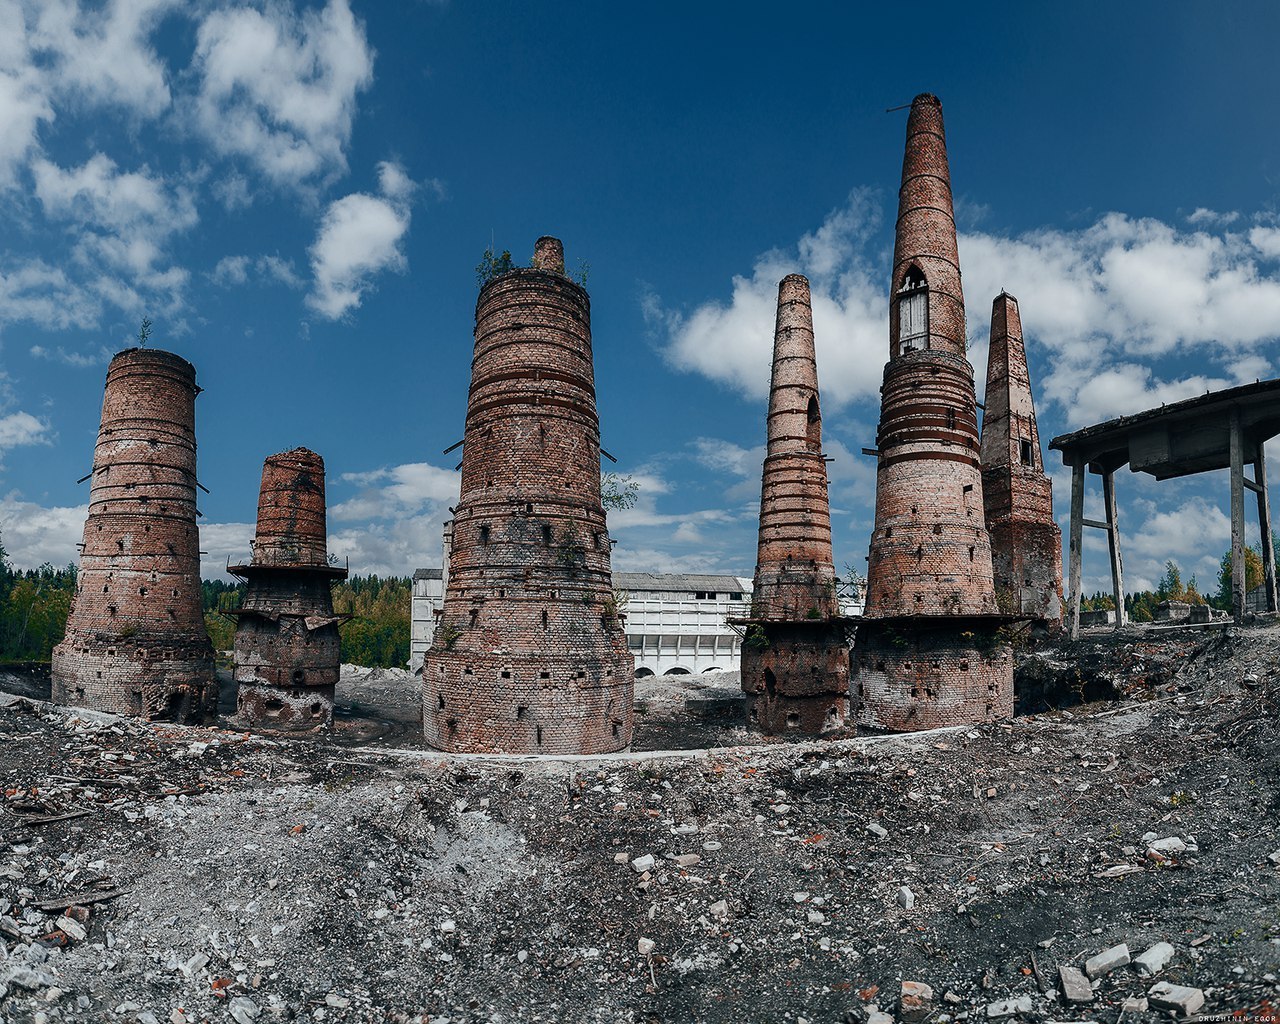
[[135, 641], [1026, 543], [931, 653], [795, 652], [287, 645], [530, 655]]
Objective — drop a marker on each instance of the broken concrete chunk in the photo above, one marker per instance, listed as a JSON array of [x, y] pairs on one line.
[[1075, 986], [1274, 858], [877, 830], [1134, 1004], [643, 863], [1008, 1008], [916, 1001], [645, 946], [906, 898], [1182, 999], [1107, 961], [687, 860], [875, 1015], [1153, 960], [720, 910], [1171, 844]]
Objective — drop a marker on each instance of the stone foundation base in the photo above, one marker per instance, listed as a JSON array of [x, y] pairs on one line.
[[925, 674], [121, 677], [284, 709], [796, 676]]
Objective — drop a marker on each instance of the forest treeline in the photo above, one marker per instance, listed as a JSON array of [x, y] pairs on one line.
[[34, 604]]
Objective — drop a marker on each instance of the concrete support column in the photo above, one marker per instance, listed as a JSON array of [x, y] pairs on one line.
[[1237, 519], [1264, 521], [1077, 536], [1113, 544]]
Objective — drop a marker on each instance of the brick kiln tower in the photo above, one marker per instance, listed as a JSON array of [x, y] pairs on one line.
[[930, 651], [530, 655], [135, 641], [795, 652], [1017, 494], [286, 646]]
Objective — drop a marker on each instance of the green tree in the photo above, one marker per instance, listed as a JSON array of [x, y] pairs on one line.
[[1252, 575]]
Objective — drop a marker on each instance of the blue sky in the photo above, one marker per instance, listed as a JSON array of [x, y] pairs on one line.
[[297, 194]]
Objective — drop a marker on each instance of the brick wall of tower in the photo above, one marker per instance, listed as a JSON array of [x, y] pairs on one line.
[[135, 642], [926, 674], [795, 663], [287, 647], [530, 653], [1026, 542], [920, 660]]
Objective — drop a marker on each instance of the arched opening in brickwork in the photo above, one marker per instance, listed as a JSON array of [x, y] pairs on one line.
[[814, 415], [913, 311]]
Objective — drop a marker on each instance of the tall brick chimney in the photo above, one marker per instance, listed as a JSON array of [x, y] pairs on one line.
[[287, 656], [795, 652], [529, 655], [135, 642], [1026, 543], [930, 652]]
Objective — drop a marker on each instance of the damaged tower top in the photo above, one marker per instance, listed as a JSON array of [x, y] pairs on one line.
[[1026, 543], [795, 651], [529, 654], [135, 642], [287, 656], [929, 652]]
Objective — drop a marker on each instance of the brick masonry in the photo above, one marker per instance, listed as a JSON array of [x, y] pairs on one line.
[[931, 597], [135, 642], [287, 648], [1026, 543], [795, 658], [530, 653]]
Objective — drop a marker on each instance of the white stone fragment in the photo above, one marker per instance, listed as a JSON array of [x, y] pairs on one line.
[[1182, 999], [1107, 961], [1153, 960]]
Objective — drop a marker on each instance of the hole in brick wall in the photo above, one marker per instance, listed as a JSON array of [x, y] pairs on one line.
[[937, 530], [173, 615], [112, 609], [111, 650], [175, 591], [146, 529], [888, 531], [599, 539], [915, 510], [879, 666], [544, 675], [452, 725], [105, 588], [475, 615], [919, 598], [544, 618], [484, 535], [793, 720], [273, 707], [528, 508], [142, 591], [501, 592], [467, 671], [971, 554], [1027, 459], [920, 551], [964, 666], [441, 670], [615, 730], [770, 683], [506, 673], [539, 737], [299, 676], [937, 664], [521, 711], [581, 674], [317, 710], [440, 700], [546, 534]]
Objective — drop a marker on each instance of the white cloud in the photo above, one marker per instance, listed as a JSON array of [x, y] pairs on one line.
[[398, 491], [239, 270], [1202, 215], [80, 360], [733, 343], [360, 235], [223, 544], [33, 535], [37, 293], [278, 88]]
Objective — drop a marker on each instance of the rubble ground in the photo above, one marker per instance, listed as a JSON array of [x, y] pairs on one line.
[[158, 873]]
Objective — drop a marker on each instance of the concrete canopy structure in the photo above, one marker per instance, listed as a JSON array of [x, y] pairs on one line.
[[530, 654], [795, 652], [287, 648], [1218, 430], [135, 642], [929, 650], [1017, 494]]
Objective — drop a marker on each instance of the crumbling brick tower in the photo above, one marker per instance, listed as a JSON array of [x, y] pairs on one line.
[[530, 655], [1017, 494], [135, 641], [795, 654], [287, 646], [930, 651]]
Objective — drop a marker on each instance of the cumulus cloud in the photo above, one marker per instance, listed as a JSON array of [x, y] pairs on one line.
[[398, 491], [33, 534], [360, 235], [37, 293], [278, 89], [732, 342], [239, 270]]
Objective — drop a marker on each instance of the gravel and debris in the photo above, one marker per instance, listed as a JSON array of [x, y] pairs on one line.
[[153, 873]]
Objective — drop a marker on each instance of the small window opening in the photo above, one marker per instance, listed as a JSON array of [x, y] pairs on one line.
[[440, 700], [913, 312], [546, 534], [545, 620], [539, 737], [1027, 458], [475, 615], [770, 683], [521, 712], [506, 673], [544, 675], [484, 535]]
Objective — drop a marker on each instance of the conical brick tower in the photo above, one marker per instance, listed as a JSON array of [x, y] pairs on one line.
[[1026, 543], [530, 655], [795, 651], [135, 642], [287, 656], [930, 651]]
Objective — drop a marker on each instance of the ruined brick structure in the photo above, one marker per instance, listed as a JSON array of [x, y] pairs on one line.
[[286, 645], [135, 642], [1017, 494], [930, 651], [530, 655], [795, 651]]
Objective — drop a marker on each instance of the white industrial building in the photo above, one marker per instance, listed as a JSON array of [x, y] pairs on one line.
[[677, 623]]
